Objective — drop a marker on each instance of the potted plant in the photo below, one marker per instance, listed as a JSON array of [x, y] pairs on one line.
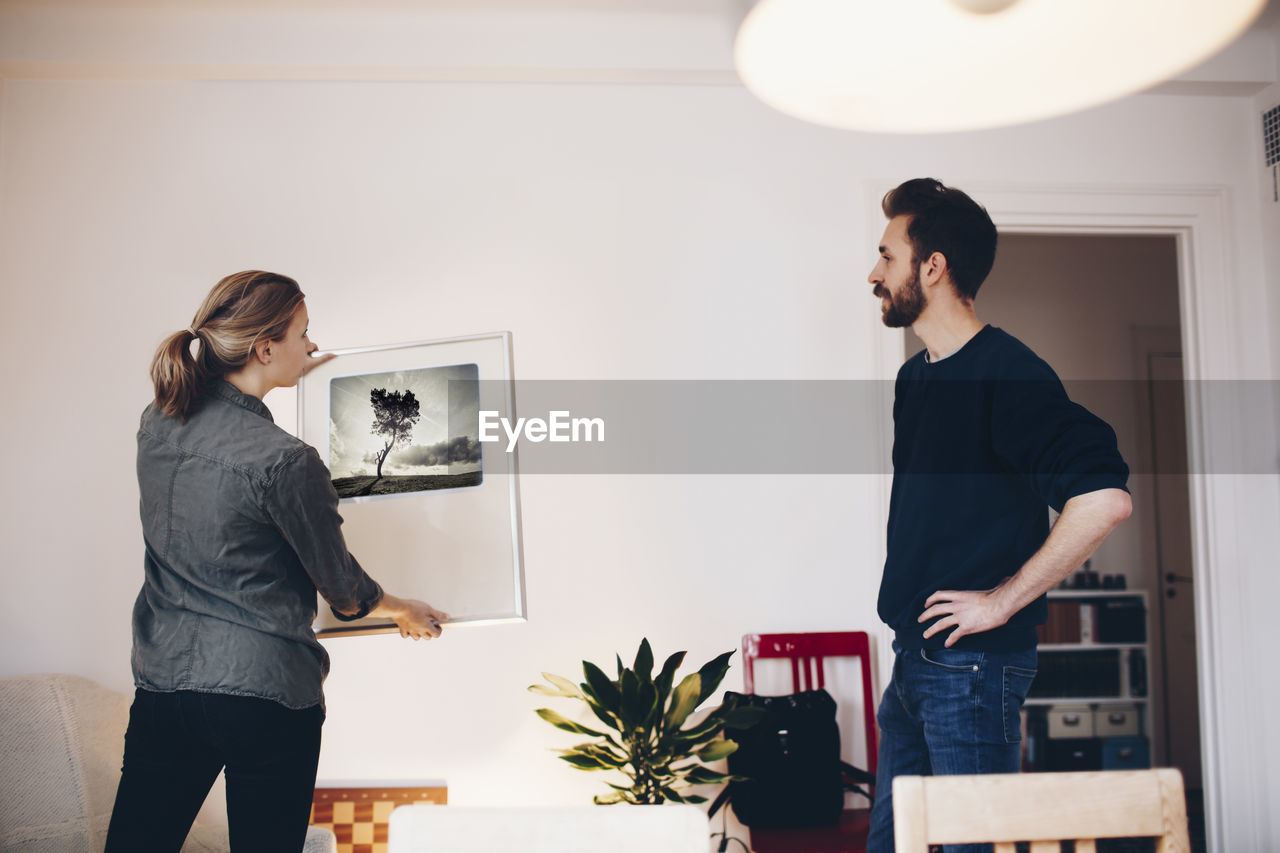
[[645, 736]]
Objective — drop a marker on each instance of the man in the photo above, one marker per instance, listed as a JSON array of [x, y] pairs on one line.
[[985, 439]]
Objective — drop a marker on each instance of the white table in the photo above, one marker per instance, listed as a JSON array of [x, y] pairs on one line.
[[669, 828]]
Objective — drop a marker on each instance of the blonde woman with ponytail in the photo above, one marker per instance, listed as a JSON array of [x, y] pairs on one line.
[[241, 529]]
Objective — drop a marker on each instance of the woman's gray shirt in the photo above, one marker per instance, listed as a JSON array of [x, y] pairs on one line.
[[241, 527]]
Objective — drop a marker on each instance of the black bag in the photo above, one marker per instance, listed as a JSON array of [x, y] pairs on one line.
[[791, 759]]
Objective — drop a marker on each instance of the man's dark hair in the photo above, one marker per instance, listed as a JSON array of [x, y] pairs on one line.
[[944, 219]]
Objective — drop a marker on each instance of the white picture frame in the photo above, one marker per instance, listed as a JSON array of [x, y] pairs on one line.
[[453, 542]]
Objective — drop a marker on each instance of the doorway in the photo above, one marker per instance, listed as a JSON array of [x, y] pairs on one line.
[[1167, 552], [1103, 310]]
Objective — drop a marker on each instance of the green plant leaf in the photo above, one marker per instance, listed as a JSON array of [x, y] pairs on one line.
[[620, 667], [703, 729], [608, 799], [705, 776], [717, 750], [629, 707], [667, 676], [613, 752], [610, 720], [569, 688], [544, 690], [671, 795], [602, 754], [600, 687], [625, 788], [644, 661], [694, 798], [713, 672], [562, 722], [683, 701], [652, 708], [584, 762], [555, 692]]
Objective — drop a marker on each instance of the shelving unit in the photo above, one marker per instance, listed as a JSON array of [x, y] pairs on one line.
[[1093, 673]]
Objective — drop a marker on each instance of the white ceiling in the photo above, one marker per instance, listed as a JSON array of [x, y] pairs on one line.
[[734, 9], [1269, 19], [697, 7]]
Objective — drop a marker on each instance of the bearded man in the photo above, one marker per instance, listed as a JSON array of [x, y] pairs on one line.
[[985, 439]]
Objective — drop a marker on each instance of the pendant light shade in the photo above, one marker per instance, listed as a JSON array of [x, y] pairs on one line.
[[923, 66]]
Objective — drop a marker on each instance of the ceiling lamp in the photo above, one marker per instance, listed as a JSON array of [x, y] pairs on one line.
[[922, 66]]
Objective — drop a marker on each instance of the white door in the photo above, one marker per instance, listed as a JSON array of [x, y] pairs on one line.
[[1175, 593]]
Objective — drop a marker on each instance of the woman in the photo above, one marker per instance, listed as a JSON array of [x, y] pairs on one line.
[[241, 528]]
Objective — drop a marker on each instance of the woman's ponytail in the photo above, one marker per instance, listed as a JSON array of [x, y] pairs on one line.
[[240, 310], [178, 379]]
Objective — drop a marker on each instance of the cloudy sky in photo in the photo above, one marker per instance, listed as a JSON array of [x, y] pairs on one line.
[[445, 439]]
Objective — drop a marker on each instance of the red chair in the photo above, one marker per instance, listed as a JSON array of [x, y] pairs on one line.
[[807, 653]]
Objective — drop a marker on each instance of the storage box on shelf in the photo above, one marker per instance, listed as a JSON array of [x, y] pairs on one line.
[[1088, 707]]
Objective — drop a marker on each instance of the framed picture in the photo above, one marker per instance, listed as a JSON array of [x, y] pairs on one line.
[[429, 511]]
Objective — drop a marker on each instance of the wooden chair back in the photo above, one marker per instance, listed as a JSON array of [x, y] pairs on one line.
[[1040, 808]]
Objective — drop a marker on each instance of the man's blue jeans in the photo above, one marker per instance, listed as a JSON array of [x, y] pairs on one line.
[[947, 711]]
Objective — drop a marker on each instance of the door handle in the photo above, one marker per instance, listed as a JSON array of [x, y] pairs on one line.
[[1170, 577]]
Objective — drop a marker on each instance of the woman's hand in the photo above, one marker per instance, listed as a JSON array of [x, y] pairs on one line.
[[414, 618], [315, 361]]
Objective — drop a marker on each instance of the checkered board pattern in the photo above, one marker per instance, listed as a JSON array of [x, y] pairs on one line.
[[359, 816]]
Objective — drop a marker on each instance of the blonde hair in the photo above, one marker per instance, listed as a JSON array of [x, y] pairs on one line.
[[241, 310]]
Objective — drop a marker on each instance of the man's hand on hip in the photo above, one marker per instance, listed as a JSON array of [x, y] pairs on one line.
[[968, 611], [1085, 521]]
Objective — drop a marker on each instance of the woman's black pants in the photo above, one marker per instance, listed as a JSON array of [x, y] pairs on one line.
[[176, 745]]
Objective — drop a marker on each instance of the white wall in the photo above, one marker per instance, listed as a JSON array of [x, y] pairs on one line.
[[1270, 221], [619, 230], [1269, 206]]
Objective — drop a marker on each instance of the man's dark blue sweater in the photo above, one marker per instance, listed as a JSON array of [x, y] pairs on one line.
[[984, 440]]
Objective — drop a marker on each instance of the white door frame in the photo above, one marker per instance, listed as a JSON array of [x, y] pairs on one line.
[[1197, 217]]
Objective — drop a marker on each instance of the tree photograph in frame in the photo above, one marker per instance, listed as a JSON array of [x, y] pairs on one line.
[[407, 431], [438, 520]]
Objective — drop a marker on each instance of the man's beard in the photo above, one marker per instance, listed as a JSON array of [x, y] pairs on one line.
[[904, 308]]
